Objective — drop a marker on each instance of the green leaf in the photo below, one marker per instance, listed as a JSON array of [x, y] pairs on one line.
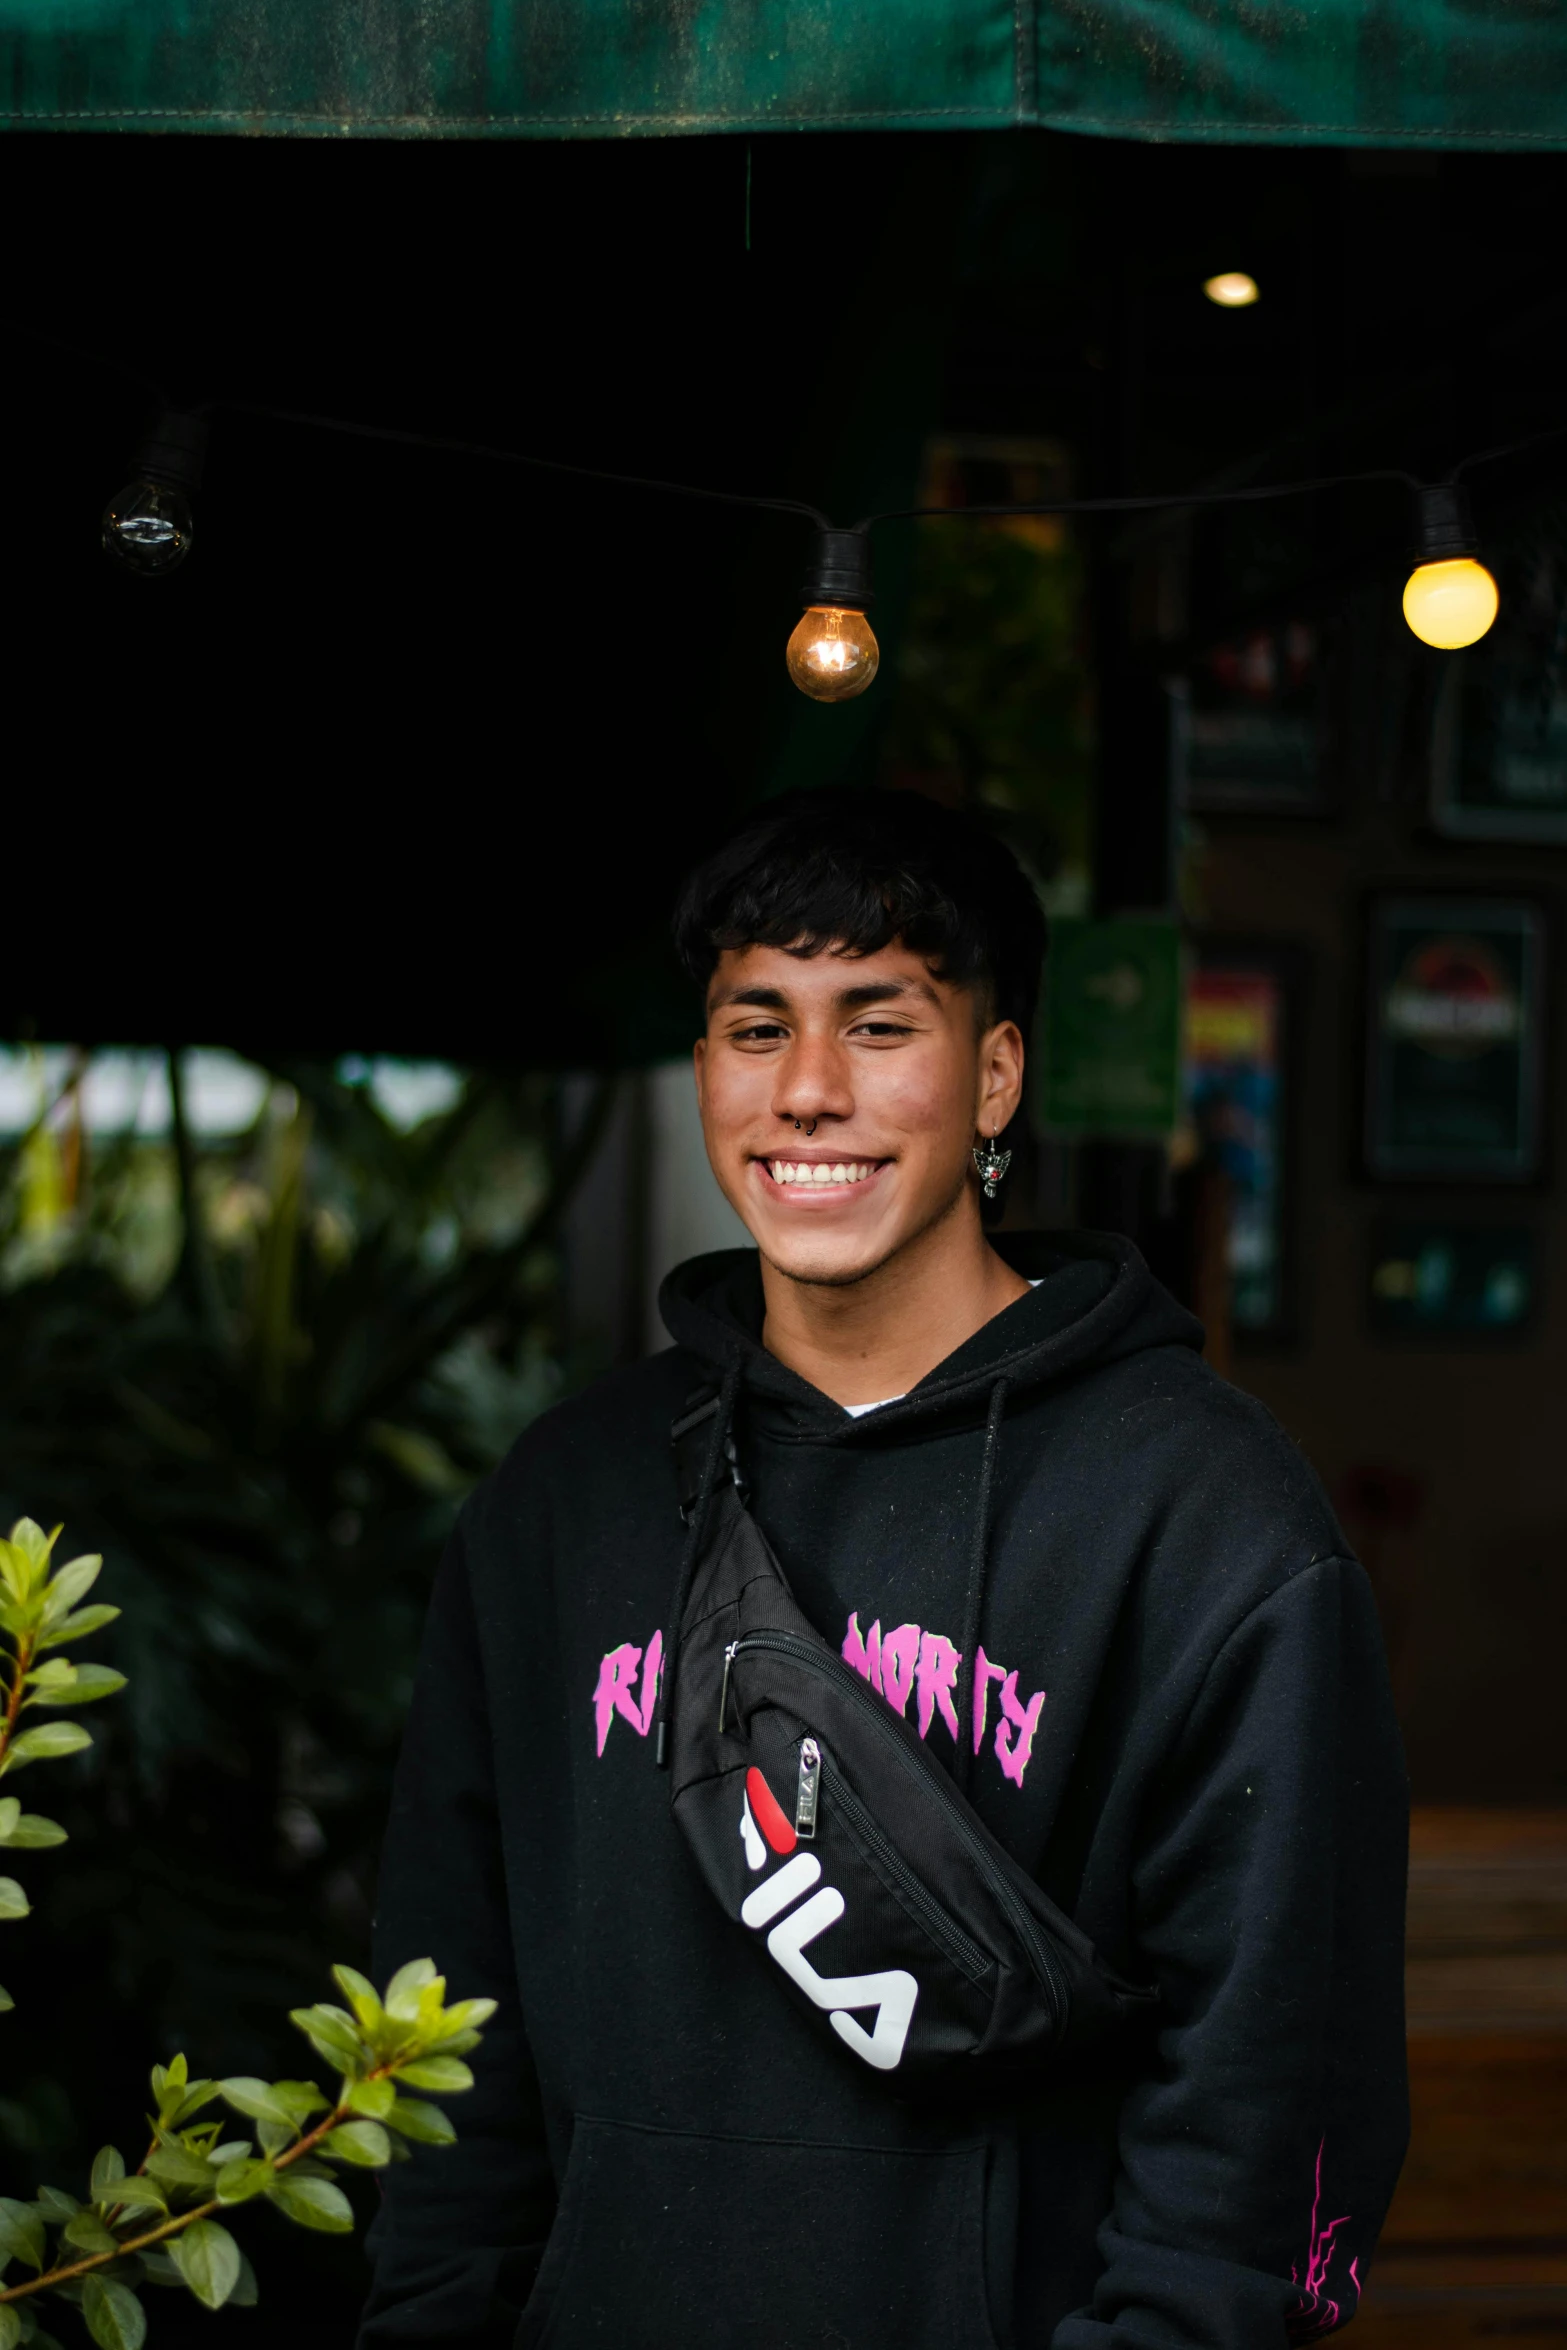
[[21, 2232], [13, 1901], [332, 2035], [6, 2001], [77, 1626], [45, 1743], [238, 2181], [72, 1583], [257, 2100], [300, 2099], [86, 1685], [276, 2137], [375, 2098], [245, 2293], [364, 2143], [88, 2233], [10, 2326], [132, 2194], [198, 2094], [404, 1989], [446, 2074], [160, 2269], [312, 2203], [108, 2165], [115, 2318], [207, 2257], [172, 2075], [425, 2123], [56, 2205], [27, 1831], [360, 1994], [466, 2015], [177, 2166]]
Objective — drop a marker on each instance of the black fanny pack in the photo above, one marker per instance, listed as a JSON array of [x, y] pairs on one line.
[[840, 1847]]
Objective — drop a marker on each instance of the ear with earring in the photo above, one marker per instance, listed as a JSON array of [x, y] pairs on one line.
[[990, 1165]]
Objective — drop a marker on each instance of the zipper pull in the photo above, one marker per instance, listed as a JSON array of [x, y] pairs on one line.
[[808, 1789], [723, 1694]]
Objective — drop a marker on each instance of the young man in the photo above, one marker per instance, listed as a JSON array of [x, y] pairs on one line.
[[1173, 1712]]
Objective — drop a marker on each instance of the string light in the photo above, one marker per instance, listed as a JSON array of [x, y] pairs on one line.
[[1232, 289], [833, 654], [147, 525], [1450, 598]]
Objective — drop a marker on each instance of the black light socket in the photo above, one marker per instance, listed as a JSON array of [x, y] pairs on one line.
[[1444, 526], [839, 570], [174, 452]]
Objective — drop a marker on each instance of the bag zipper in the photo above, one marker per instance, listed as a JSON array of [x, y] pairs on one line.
[[807, 1790], [960, 1947], [834, 1668]]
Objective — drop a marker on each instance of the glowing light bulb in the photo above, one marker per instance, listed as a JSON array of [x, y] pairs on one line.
[[1450, 604], [147, 526], [1450, 598], [833, 653], [1232, 289]]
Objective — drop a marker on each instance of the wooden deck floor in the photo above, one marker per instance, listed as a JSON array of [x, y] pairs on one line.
[[1475, 2249]]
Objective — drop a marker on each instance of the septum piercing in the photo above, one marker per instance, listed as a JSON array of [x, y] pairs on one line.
[[809, 1130]]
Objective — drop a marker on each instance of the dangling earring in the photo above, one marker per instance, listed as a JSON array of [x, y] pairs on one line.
[[991, 1165]]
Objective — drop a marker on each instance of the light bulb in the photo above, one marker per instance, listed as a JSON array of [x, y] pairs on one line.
[[833, 653], [1232, 289], [1450, 604], [1450, 598], [147, 528]]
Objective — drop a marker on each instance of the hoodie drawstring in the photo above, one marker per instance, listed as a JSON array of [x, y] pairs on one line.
[[978, 1560], [712, 1470]]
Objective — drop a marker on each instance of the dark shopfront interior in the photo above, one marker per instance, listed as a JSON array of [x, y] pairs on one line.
[[406, 759]]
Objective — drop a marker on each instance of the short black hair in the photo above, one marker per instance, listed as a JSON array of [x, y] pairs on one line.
[[857, 869]]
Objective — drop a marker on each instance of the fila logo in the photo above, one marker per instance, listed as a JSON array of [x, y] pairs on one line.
[[891, 1993]]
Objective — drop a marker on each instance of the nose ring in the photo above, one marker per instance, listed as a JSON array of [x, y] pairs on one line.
[[811, 1129]]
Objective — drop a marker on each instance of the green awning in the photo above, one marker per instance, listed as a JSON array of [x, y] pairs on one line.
[[1384, 73]]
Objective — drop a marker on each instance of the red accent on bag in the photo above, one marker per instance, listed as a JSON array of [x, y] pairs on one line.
[[768, 1812]]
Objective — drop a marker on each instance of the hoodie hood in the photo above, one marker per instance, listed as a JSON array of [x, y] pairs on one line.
[[1096, 1303]]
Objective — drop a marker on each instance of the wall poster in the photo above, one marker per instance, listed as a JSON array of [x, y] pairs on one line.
[[1249, 725], [1499, 740], [1237, 1038], [1453, 1053], [1111, 1063]]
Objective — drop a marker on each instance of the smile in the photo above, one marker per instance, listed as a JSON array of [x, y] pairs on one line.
[[814, 1175]]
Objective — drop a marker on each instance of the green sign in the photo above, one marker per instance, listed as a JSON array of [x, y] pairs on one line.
[[1111, 1063]]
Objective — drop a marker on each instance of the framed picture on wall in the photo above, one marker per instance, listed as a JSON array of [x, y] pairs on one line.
[[1242, 1020], [1499, 732], [1454, 1008], [1251, 722]]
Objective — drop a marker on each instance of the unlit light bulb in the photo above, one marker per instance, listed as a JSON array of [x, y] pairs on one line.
[[1232, 289], [147, 528], [833, 653], [1450, 604]]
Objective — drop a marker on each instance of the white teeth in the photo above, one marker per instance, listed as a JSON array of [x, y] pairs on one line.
[[819, 1171]]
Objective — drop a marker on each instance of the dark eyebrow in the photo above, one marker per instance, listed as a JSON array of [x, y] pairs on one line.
[[762, 999], [884, 991]]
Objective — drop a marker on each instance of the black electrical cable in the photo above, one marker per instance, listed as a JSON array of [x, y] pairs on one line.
[[456, 448]]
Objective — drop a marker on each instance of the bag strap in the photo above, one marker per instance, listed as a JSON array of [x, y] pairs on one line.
[[690, 1435]]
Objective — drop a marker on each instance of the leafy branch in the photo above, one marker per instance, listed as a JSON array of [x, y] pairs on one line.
[[159, 2224], [190, 2173], [40, 1609]]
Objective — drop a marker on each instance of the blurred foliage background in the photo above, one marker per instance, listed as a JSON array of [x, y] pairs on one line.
[[260, 1331]]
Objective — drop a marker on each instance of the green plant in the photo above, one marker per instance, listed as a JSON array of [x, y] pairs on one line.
[[162, 2223]]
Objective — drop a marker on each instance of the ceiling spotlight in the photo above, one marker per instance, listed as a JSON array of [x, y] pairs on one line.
[[833, 653], [1450, 598], [1232, 289]]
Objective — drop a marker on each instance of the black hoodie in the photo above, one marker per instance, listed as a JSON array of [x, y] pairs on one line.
[[1188, 1738]]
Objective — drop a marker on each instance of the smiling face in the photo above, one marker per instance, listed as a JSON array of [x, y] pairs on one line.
[[840, 1098]]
